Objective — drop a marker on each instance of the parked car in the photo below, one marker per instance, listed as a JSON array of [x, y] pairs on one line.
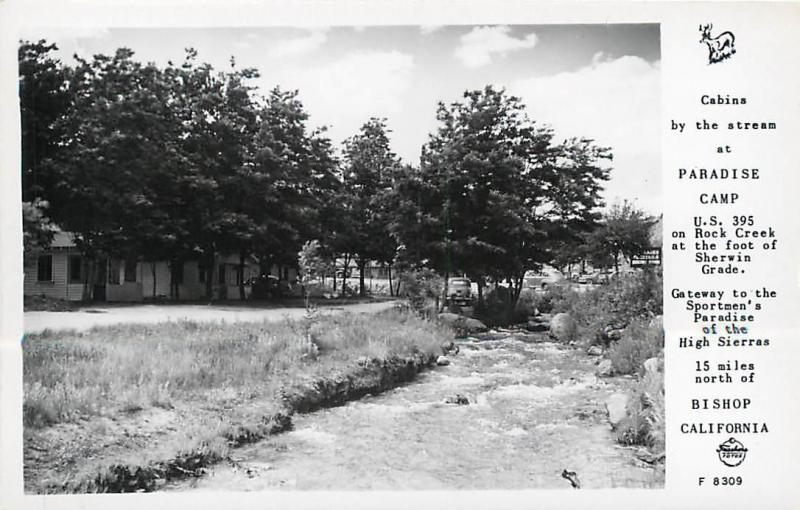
[[459, 291], [602, 276], [542, 279], [268, 287]]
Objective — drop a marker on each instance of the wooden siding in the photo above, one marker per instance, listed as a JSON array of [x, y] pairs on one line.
[[192, 289], [59, 287]]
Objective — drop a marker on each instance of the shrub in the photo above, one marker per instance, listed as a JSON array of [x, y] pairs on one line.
[[527, 304], [639, 342], [423, 289], [558, 298], [495, 310], [644, 423], [615, 304]]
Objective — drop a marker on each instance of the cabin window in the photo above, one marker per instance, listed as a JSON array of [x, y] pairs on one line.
[[130, 270], [44, 268], [75, 269], [222, 274]]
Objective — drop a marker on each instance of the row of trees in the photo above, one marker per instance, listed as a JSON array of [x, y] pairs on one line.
[[186, 162]]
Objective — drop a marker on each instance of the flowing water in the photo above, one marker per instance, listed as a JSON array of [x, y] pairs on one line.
[[535, 409]]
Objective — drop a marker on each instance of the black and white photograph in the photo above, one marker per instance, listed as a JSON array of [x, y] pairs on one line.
[[342, 258]]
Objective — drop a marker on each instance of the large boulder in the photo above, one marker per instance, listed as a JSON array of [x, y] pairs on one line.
[[474, 325], [537, 326], [657, 322], [442, 361], [653, 366], [612, 333], [616, 407], [462, 325], [605, 368], [595, 350], [458, 399], [563, 327]]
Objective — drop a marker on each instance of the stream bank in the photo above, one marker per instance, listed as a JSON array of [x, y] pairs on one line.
[[511, 411]]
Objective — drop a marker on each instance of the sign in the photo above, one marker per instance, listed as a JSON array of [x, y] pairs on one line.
[[651, 257]]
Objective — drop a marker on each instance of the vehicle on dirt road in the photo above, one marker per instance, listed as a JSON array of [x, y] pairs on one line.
[[268, 287], [459, 291], [542, 279]]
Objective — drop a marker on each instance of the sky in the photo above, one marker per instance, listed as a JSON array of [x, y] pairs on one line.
[[595, 81]]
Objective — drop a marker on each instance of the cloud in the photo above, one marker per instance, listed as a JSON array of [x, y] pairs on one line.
[[482, 43], [248, 40], [615, 102], [61, 33], [346, 92], [299, 45], [429, 29]]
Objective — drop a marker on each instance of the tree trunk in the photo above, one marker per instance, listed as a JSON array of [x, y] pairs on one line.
[[241, 276], [362, 290], [517, 289], [391, 290], [345, 267], [334, 279], [153, 269], [481, 284], [446, 287], [87, 280], [209, 263], [171, 270], [175, 290]]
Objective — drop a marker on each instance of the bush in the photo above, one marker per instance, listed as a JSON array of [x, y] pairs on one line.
[[639, 342], [495, 310], [423, 289], [557, 299], [527, 304], [644, 423], [615, 304]]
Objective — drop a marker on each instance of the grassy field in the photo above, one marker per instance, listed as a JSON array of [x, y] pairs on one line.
[[68, 375], [102, 393]]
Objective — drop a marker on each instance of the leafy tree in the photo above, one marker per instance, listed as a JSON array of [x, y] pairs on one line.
[[295, 179], [44, 99], [37, 228], [369, 169], [503, 192], [625, 231], [117, 151]]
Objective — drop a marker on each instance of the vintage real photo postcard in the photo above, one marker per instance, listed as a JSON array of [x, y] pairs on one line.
[[370, 255]]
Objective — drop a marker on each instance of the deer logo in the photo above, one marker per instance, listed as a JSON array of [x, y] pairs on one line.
[[719, 47]]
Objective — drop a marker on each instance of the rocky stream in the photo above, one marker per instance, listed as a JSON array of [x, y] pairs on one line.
[[512, 410]]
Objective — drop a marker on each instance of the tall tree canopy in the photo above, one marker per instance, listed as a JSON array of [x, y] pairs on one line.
[[624, 231], [494, 192], [187, 162], [369, 171]]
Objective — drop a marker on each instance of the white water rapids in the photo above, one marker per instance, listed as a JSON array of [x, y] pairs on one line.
[[535, 409]]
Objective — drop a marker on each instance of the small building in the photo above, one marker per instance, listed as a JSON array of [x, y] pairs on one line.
[[63, 272]]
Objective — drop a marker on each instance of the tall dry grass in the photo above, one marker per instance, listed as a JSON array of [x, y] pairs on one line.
[[70, 374], [644, 423], [640, 341]]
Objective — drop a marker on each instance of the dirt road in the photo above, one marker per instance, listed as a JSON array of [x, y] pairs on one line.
[[106, 316]]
